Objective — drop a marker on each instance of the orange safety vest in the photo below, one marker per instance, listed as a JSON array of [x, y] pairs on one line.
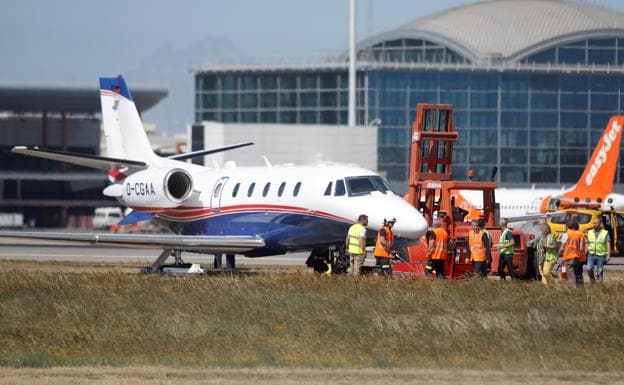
[[440, 244], [572, 248], [380, 250], [477, 248]]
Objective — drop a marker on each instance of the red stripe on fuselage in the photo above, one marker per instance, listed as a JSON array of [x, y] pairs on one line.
[[191, 213]]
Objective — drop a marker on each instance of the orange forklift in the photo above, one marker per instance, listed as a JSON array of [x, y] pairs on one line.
[[432, 190]]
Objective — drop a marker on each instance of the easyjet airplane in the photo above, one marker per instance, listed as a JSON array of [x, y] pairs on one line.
[[594, 187], [254, 211]]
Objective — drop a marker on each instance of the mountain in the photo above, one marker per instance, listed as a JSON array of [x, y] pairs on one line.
[[171, 67]]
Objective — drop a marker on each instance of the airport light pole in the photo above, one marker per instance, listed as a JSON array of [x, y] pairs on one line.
[[352, 54]]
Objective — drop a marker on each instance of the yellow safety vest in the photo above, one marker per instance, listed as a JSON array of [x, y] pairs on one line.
[[507, 250], [597, 245], [354, 239], [550, 254]]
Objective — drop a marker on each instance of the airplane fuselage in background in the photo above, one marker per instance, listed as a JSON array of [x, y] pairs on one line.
[[520, 202]]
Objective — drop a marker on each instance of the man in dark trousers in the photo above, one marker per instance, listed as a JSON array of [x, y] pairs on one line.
[[437, 250], [479, 249], [572, 251], [383, 247], [505, 251]]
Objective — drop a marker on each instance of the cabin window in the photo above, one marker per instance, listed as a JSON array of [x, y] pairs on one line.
[[235, 191], [296, 189], [328, 189], [340, 188], [250, 190], [265, 191], [281, 188]]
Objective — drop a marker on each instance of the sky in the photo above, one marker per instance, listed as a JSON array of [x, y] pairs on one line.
[[159, 41]]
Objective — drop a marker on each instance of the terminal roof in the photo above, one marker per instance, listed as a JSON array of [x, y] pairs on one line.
[[68, 97]]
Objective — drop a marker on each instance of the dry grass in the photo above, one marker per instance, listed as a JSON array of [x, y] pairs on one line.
[[299, 320], [293, 376]]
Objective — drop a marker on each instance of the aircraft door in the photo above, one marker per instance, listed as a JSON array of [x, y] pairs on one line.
[[217, 192]]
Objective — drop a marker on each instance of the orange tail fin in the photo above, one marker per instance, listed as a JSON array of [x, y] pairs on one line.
[[597, 180]]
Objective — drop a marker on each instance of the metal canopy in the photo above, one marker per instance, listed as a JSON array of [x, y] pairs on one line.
[[68, 97]]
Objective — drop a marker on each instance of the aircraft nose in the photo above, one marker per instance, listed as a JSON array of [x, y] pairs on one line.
[[410, 223]]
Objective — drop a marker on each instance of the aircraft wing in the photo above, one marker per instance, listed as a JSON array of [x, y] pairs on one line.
[[198, 243], [530, 217], [85, 160]]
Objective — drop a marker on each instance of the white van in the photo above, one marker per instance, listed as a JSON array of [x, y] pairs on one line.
[[106, 216]]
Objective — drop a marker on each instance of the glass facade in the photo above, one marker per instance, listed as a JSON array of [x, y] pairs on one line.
[[411, 50], [536, 126], [583, 52], [292, 97]]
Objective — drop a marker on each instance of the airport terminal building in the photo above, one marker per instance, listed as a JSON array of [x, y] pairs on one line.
[[533, 84]]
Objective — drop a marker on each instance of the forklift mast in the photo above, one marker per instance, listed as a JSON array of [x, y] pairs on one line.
[[431, 187]]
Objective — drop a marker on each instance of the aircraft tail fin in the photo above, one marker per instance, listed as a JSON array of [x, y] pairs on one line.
[[123, 129], [596, 182]]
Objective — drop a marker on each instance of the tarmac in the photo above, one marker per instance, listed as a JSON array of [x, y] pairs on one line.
[[28, 250]]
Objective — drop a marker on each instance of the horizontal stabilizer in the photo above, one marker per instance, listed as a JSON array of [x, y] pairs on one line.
[[85, 160], [209, 151], [135, 216], [199, 243]]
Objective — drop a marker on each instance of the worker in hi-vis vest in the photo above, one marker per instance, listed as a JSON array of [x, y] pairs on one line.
[[479, 249], [505, 251], [437, 250], [572, 251], [355, 244], [598, 251], [383, 247]]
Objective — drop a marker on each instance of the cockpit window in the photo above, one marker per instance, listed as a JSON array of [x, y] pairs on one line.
[[328, 189], [380, 184], [340, 188], [362, 185]]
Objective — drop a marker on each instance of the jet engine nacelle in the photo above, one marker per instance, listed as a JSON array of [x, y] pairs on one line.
[[157, 188]]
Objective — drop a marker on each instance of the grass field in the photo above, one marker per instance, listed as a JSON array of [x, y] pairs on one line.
[[292, 319], [150, 375]]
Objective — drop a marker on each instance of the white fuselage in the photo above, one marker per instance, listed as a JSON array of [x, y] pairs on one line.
[[519, 202], [258, 200]]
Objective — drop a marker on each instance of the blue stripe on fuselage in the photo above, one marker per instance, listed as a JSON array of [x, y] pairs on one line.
[[282, 232]]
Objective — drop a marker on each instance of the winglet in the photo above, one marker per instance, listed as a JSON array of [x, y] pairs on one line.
[[596, 182]]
